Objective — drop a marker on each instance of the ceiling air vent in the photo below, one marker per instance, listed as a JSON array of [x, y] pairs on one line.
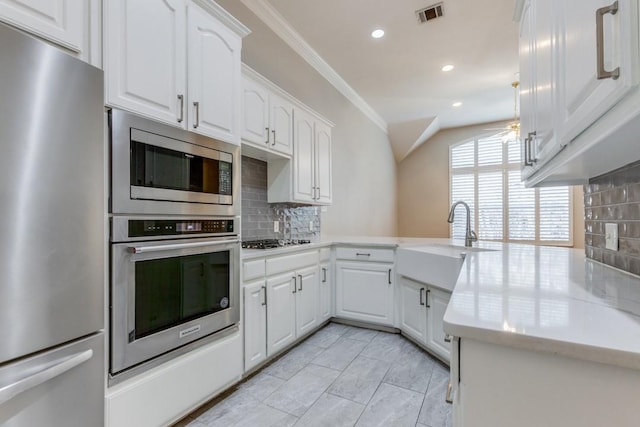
[[429, 13]]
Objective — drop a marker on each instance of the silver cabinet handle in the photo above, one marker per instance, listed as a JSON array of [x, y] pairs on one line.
[[196, 107], [528, 160], [176, 246], [324, 275], [181, 117], [359, 254], [295, 284], [274, 137], [389, 276], [447, 338], [532, 137], [428, 292], [318, 195], [421, 296], [601, 72], [264, 288], [267, 141], [449, 397], [8, 392], [300, 277]]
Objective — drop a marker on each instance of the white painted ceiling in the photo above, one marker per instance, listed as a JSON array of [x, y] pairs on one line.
[[400, 75]]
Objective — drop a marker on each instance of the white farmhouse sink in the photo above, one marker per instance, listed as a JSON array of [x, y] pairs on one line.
[[436, 264]]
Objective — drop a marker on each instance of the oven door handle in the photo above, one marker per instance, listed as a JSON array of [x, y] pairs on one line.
[[175, 246]]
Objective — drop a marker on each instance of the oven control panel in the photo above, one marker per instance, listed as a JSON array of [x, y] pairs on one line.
[[175, 227]]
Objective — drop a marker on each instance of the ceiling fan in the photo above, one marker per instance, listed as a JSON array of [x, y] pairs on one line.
[[512, 130]]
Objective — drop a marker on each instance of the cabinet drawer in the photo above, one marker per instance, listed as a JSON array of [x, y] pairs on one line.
[[291, 262], [325, 254], [365, 254], [253, 270]]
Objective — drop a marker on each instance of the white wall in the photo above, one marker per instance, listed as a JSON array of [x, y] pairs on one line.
[[364, 170]]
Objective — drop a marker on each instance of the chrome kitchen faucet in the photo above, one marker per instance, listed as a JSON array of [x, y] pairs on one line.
[[470, 236]]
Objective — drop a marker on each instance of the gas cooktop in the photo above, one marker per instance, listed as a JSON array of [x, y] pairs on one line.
[[272, 243]]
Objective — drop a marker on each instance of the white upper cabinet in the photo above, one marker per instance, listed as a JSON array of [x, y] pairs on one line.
[[281, 124], [304, 157], [255, 113], [323, 164], [598, 68], [306, 179], [538, 91], [145, 58], [175, 62], [66, 23], [580, 102], [214, 77], [267, 121]]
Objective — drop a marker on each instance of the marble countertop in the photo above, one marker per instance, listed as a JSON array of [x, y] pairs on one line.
[[548, 299]]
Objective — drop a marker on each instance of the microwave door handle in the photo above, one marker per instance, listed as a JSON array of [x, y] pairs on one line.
[[176, 246]]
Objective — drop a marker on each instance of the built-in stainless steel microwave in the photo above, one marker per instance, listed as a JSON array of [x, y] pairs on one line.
[[158, 169]]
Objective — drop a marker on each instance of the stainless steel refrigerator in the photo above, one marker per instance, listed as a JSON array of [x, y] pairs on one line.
[[52, 239]]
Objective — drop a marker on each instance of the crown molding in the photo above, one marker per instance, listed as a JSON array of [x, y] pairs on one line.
[[225, 17], [265, 12]]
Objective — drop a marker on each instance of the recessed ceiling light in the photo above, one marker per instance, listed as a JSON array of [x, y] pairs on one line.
[[447, 68], [376, 34], [456, 104]]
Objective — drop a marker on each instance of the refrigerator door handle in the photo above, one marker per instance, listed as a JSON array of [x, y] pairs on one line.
[[50, 371]]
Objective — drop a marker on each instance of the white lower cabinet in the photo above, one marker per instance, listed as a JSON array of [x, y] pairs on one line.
[[423, 308], [281, 312], [364, 291], [281, 303], [255, 323], [531, 389], [437, 301], [326, 291], [414, 309]]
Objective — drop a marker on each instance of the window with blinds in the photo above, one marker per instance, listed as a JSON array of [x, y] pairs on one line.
[[485, 173]]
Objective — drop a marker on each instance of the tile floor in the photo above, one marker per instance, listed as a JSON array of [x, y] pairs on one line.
[[340, 376]]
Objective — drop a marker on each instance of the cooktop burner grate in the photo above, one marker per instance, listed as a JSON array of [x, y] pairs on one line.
[[272, 243]]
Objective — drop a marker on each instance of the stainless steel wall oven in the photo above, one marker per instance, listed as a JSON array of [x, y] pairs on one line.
[[175, 251]]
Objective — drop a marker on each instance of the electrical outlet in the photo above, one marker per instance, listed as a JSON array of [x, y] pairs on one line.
[[310, 225], [611, 236], [276, 226]]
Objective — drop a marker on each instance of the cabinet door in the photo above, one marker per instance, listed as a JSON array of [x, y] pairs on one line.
[[303, 158], [307, 300], [585, 97], [323, 163], [61, 21], [281, 312], [364, 291], [281, 121], [255, 324], [214, 77], [414, 309], [255, 113], [437, 302], [547, 115], [325, 291], [145, 58], [527, 82]]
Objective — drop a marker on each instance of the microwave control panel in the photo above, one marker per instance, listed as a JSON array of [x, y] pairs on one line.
[[169, 227]]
